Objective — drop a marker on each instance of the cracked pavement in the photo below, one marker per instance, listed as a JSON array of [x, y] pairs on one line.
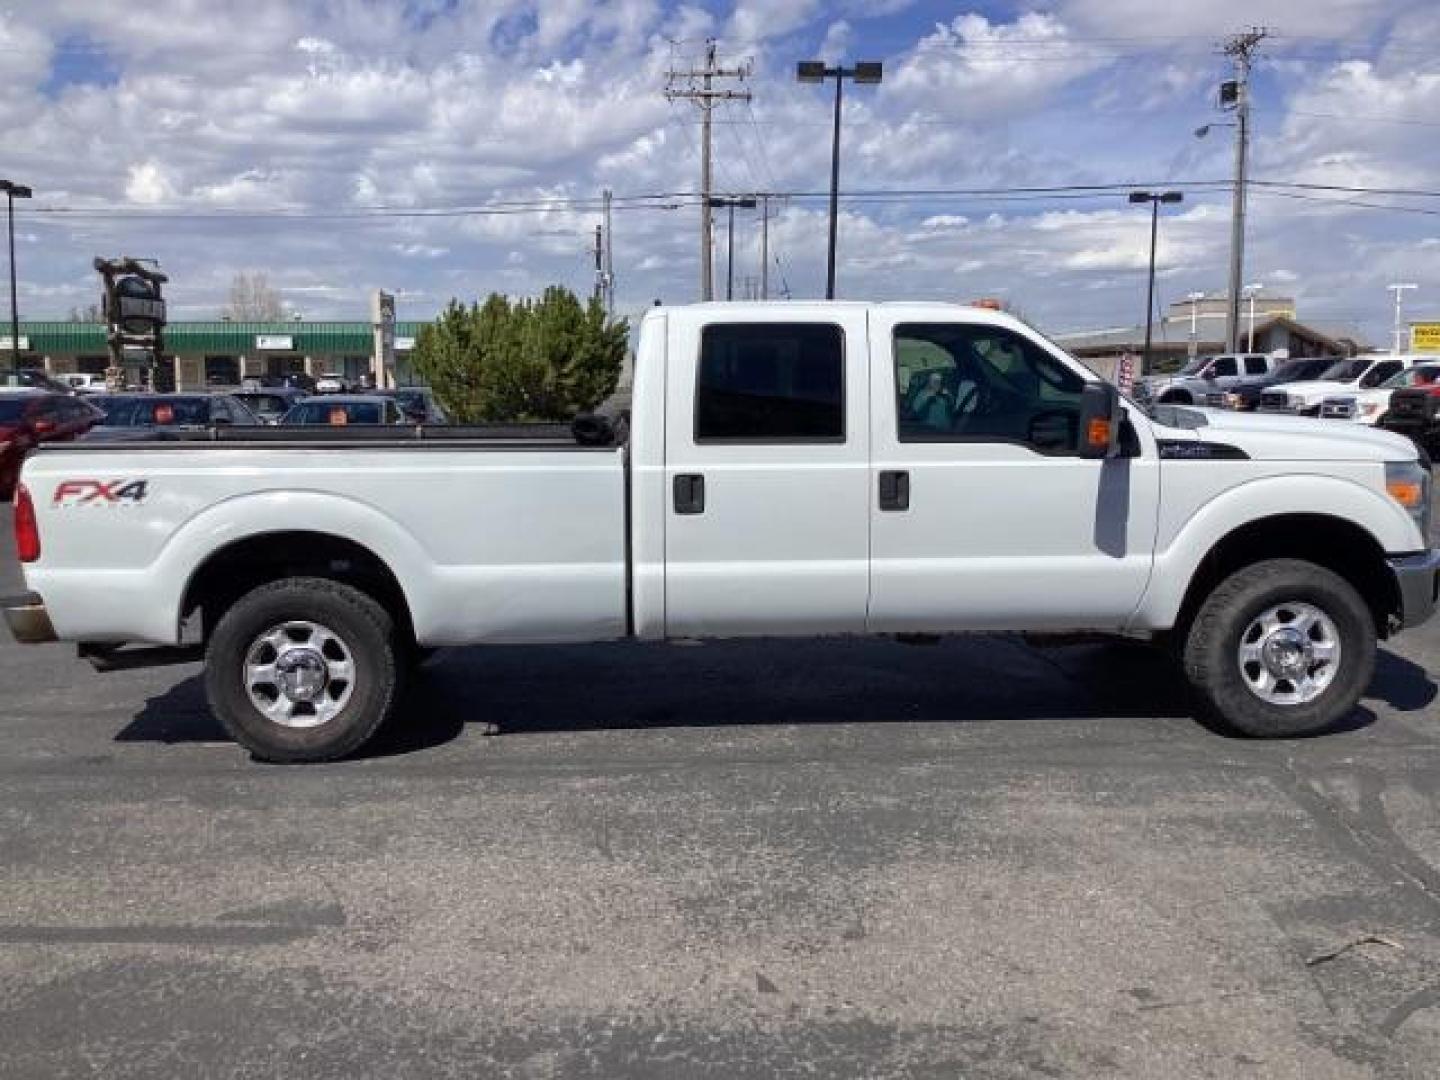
[[841, 858]]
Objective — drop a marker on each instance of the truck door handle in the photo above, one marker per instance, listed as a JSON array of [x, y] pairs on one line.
[[894, 490], [689, 493]]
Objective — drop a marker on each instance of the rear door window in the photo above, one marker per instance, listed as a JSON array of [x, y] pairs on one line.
[[1223, 367], [771, 382], [1255, 365]]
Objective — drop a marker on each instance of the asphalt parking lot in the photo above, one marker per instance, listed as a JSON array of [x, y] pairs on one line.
[[752, 859]]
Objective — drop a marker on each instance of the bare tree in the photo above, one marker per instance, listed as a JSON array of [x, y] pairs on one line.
[[253, 300], [90, 313]]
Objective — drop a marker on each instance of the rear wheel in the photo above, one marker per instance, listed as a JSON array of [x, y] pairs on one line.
[[1281, 648], [303, 669]]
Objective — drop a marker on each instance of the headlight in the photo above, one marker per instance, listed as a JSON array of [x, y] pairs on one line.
[[1408, 483]]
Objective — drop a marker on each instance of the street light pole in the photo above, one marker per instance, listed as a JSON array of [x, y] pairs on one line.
[[1154, 199], [1252, 290], [730, 202], [1194, 298], [1399, 291], [816, 71], [12, 192]]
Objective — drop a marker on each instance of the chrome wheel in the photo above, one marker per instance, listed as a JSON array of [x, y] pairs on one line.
[[299, 674], [1289, 654]]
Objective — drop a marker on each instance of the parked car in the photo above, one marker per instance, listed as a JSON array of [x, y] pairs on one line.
[[417, 403], [29, 418], [1244, 395], [32, 379], [776, 481], [83, 382], [295, 380], [1202, 377], [270, 405], [1415, 413], [1369, 406], [339, 410], [1342, 377], [331, 382], [139, 416]]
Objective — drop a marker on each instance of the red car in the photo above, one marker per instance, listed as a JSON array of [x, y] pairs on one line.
[[30, 417]]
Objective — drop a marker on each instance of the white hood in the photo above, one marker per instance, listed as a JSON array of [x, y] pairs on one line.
[[1314, 390], [1272, 437]]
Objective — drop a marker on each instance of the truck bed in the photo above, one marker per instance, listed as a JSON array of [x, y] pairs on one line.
[[501, 533]]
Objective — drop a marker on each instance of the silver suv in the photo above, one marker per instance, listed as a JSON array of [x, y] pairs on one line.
[[1204, 380]]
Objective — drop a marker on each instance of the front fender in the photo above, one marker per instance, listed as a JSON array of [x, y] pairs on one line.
[[1252, 501]]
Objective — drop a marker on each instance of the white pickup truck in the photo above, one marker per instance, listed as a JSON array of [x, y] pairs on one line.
[[789, 469]]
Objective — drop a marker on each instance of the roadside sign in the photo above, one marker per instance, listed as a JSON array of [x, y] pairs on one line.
[[1125, 373], [274, 342], [1425, 337], [6, 346]]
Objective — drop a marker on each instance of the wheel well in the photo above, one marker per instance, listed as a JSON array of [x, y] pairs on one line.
[[1338, 545], [238, 567], [1177, 397]]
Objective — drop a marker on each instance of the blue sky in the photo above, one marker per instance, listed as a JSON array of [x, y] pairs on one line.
[[262, 137]]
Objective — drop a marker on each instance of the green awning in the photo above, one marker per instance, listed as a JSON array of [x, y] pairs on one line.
[[220, 338]]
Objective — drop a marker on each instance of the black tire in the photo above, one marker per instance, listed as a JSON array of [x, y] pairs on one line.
[[1211, 655], [367, 633]]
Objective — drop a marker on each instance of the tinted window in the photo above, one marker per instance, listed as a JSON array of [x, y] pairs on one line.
[[12, 408], [271, 404], [336, 413], [1224, 366], [983, 383], [1345, 370], [162, 411], [1255, 365], [771, 381], [1380, 372]]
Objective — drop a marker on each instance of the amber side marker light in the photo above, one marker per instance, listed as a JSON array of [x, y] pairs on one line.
[[1098, 434], [1408, 493]]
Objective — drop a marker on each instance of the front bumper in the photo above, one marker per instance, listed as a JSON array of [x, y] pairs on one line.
[[1417, 579], [27, 618]]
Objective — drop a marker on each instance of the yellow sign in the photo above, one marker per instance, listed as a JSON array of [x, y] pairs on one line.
[[1425, 337]]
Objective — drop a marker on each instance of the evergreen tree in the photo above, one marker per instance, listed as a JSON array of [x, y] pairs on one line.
[[545, 359]]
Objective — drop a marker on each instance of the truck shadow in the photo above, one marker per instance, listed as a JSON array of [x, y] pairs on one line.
[[534, 690]]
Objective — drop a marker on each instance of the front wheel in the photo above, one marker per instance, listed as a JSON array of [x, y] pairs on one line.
[[1282, 648], [303, 669]]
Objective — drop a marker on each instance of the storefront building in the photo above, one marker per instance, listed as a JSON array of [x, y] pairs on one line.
[[222, 353]]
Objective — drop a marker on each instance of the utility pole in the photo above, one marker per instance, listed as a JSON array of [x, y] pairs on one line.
[[599, 252], [764, 247], [698, 85], [1399, 332], [1240, 48], [609, 269]]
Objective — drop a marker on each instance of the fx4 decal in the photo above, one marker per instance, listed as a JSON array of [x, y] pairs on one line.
[[100, 492]]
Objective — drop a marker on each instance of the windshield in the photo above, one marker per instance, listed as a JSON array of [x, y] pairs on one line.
[[1195, 366], [1296, 370], [1416, 376], [1345, 370], [269, 404], [147, 411], [335, 413]]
